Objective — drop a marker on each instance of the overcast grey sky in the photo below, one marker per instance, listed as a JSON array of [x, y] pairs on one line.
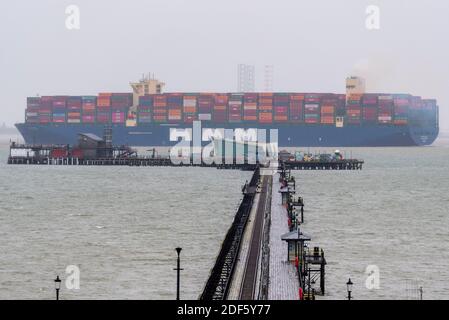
[[195, 45]]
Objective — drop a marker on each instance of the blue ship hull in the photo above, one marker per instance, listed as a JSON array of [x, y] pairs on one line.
[[288, 135]]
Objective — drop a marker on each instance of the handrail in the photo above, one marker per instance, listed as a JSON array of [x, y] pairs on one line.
[[217, 286]]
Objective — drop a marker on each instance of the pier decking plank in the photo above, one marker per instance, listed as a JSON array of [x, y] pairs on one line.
[[284, 282]]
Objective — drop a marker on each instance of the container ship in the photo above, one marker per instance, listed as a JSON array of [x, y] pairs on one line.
[[145, 116]]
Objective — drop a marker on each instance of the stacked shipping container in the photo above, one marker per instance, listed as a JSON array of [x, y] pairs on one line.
[[46, 110], [312, 108], [353, 109], [401, 106], [297, 108], [205, 106], [33, 109], [89, 105], [74, 105], [369, 107], [250, 107], [120, 103], [104, 108], [190, 109], [59, 109], [265, 108], [235, 107], [220, 108], [385, 109], [174, 104], [144, 109], [328, 106], [160, 108], [281, 103]]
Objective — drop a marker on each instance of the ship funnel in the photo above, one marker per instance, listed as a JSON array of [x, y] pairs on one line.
[[355, 85]]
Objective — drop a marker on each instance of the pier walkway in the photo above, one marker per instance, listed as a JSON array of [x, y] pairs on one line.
[[281, 275], [239, 271], [284, 282], [252, 268]]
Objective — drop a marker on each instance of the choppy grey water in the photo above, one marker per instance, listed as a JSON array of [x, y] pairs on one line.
[[393, 214], [119, 226]]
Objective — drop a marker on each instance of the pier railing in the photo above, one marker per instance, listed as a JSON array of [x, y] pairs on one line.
[[217, 286]]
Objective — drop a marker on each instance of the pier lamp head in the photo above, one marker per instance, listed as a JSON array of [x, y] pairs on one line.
[[349, 285], [178, 250], [57, 283]]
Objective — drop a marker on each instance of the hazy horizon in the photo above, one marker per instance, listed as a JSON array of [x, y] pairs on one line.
[[196, 45]]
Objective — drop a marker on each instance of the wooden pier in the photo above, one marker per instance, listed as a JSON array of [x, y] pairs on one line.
[[123, 156], [265, 254]]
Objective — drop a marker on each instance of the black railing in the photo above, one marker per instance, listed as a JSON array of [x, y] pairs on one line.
[[217, 286]]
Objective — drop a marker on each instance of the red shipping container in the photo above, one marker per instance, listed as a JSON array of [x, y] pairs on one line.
[[78, 153], [59, 153], [280, 110], [370, 113]]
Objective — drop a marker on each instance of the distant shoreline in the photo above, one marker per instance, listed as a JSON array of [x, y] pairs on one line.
[[8, 134]]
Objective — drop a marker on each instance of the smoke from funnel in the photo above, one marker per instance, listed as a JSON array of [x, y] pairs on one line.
[[378, 72]]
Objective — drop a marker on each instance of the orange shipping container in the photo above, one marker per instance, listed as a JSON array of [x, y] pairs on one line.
[[266, 101], [246, 107], [189, 109], [280, 118], [250, 118], [327, 120], [297, 97], [327, 109], [103, 102], [221, 99]]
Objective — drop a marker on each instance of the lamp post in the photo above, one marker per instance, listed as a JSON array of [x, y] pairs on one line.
[[349, 287], [178, 275], [308, 287], [57, 286]]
